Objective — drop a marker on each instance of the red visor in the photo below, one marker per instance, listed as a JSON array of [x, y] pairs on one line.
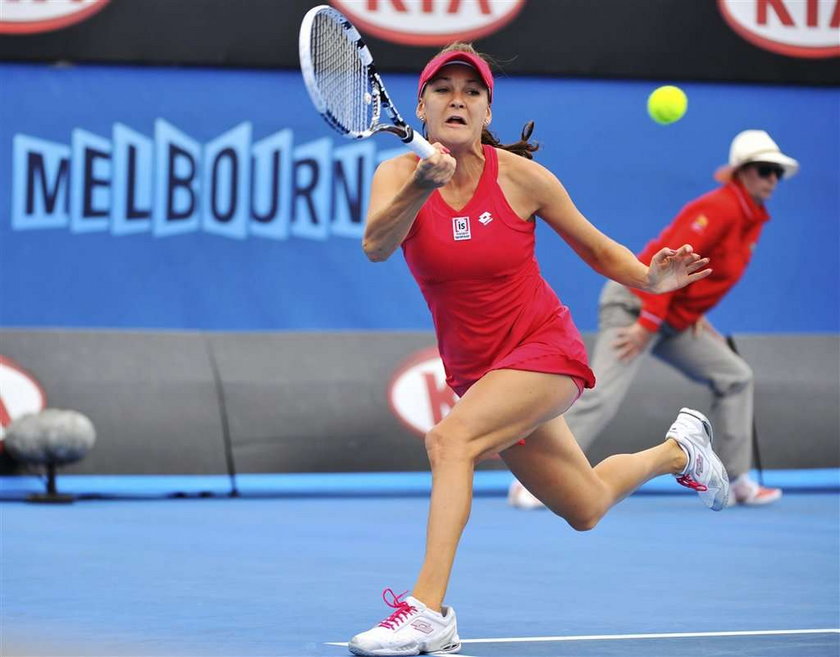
[[456, 57]]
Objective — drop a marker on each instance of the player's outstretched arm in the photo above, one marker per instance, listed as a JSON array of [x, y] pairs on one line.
[[670, 269]]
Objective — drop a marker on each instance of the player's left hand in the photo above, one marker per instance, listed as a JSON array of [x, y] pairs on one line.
[[671, 269]]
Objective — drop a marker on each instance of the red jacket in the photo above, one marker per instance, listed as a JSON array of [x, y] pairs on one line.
[[723, 225]]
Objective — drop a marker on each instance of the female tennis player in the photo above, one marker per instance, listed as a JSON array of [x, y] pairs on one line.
[[465, 219]]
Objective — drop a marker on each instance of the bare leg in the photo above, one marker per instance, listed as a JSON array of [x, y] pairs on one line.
[[552, 466], [624, 473], [449, 510], [503, 407]]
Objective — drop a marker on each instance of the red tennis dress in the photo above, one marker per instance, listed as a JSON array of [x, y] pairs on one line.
[[490, 305]]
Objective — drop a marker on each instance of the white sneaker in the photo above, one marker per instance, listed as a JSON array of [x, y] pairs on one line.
[[704, 471], [412, 629], [521, 498], [744, 490]]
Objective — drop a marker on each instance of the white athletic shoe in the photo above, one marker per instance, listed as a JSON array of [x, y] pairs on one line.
[[412, 629], [704, 471], [744, 490], [520, 497]]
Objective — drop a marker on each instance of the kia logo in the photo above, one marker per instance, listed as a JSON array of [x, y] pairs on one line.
[[418, 393], [20, 393], [429, 22], [797, 28], [29, 16]]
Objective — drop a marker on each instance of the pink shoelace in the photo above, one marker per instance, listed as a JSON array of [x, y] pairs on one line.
[[688, 482], [401, 609]]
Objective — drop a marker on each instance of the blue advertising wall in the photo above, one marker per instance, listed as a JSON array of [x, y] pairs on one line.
[[166, 198]]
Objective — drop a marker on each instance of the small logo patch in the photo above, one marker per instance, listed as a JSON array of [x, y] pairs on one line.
[[461, 228], [700, 223], [422, 626], [698, 467], [485, 218]]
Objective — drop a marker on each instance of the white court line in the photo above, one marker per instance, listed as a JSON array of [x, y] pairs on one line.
[[663, 635], [440, 654]]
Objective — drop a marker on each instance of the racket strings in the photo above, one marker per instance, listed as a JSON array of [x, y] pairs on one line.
[[342, 77]]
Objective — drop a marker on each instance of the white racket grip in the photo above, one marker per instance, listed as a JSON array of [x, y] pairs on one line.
[[420, 146]]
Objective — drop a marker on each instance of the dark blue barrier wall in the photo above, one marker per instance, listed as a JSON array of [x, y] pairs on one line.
[[145, 198]]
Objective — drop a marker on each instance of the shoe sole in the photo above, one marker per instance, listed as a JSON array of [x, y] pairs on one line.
[[390, 652], [384, 652], [721, 499], [760, 501], [451, 648]]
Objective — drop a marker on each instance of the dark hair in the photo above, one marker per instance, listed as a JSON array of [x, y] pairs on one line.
[[522, 147]]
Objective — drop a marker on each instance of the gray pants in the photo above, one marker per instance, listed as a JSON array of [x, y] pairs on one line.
[[704, 358]]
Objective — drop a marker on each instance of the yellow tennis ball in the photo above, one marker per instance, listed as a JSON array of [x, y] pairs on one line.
[[667, 104]]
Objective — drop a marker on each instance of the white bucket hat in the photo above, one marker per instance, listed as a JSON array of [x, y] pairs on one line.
[[755, 146]]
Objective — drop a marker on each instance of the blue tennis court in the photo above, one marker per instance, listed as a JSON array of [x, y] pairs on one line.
[[295, 575], [194, 338]]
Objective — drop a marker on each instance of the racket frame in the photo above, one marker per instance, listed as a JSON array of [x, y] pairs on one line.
[[379, 95]]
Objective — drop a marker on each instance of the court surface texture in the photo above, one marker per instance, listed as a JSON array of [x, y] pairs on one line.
[[294, 575]]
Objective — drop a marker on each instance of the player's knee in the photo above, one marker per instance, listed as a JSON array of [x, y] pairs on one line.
[[584, 522], [586, 513], [442, 445]]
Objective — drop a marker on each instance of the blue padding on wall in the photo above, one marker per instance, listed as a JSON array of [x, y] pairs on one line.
[[487, 483]]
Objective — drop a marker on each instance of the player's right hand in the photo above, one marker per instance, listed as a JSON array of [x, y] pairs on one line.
[[435, 171]]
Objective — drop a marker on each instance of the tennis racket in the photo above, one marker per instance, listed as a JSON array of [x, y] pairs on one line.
[[343, 83]]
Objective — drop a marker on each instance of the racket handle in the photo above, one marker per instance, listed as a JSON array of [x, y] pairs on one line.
[[416, 142]]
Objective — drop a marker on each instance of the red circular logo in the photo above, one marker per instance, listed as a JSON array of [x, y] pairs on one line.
[[20, 393], [418, 394], [789, 27], [430, 22], [30, 16]]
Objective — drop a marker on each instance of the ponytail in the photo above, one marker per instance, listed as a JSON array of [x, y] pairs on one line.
[[523, 147]]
